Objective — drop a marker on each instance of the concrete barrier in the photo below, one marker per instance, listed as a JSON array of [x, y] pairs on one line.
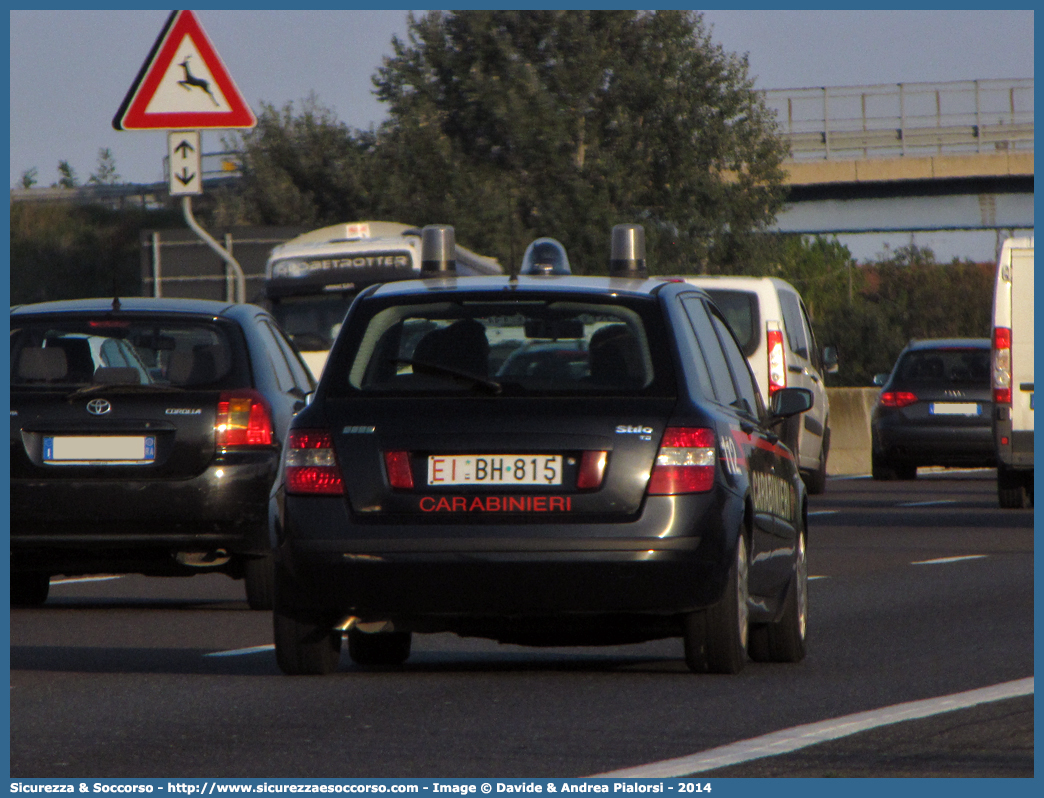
[[850, 430]]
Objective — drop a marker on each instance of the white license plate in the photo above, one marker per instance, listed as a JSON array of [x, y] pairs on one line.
[[495, 469], [99, 449], [955, 409]]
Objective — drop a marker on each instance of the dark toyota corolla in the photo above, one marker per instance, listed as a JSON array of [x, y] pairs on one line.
[[645, 495], [145, 438]]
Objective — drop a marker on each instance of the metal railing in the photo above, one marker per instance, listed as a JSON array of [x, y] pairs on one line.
[[906, 119]]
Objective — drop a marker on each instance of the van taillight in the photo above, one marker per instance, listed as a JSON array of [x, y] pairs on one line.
[[777, 362], [897, 398], [243, 419], [311, 466], [685, 462], [1001, 365]]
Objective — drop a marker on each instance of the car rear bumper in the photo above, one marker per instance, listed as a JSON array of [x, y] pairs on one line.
[[83, 526], [428, 577], [935, 444]]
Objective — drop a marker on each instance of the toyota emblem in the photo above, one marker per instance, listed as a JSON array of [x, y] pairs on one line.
[[98, 407]]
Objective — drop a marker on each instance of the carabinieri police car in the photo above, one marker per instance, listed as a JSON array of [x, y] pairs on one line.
[[539, 459]]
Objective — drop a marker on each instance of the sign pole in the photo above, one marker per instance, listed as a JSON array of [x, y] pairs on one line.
[[237, 270]]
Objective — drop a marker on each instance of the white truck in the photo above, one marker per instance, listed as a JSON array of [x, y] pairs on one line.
[[1012, 362], [311, 280]]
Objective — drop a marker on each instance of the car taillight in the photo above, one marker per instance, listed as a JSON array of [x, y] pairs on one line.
[[685, 462], [399, 473], [777, 362], [311, 466], [1001, 365], [897, 398], [243, 419]]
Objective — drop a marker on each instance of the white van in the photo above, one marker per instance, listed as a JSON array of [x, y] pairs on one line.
[[776, 336], [1012, 361]]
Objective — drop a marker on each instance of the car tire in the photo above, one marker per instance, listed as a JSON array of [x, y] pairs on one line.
[[815, 481], [784, 640], [1012, 490], [881, 469], [378, 648], [29, 589], [259, 578], [716, 638], [304, 646], [906, 471]]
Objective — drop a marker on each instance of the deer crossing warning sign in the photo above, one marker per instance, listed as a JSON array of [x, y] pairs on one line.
[[183, 84]]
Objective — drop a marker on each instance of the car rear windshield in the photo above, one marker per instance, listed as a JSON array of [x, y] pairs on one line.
[[104, 351], [950, 367], [740, 309], [525, 346]]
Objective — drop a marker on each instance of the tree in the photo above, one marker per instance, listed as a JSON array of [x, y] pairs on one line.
[[29, 177], [105, 174], [66, 176], [303, 167], [525, 123]]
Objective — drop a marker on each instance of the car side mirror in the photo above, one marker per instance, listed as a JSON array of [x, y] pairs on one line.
[[788, 402], [830, 360], [880, 379]]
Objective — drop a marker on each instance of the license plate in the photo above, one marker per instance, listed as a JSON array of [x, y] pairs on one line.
[[99, 449], [495, 469], [955, 409]]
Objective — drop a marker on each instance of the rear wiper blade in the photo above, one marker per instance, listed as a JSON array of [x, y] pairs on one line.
[[446, 371], [117, 388]]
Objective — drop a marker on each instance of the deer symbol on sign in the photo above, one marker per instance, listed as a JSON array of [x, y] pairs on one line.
[[191, 80]]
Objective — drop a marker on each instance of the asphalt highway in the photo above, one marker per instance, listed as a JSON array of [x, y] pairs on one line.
[[921, 590]]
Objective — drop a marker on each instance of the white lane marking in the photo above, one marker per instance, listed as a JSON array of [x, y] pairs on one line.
[[787, 740], [942, 560], [927, 504], [823, 512], [84, 579], [240, 651]]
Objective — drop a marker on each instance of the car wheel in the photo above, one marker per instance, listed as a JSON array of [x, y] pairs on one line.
[[378, 648], [906, 471], [305, 646], [716, 638], [815, 481], [881, 469], [1012, 489], [29, 589], [784, 640], [259, 578]]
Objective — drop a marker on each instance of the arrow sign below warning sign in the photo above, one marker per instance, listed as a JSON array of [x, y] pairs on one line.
[[186, 176], [183, 84]]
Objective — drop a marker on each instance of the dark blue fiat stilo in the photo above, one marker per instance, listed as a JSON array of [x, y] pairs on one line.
[[641, 492]]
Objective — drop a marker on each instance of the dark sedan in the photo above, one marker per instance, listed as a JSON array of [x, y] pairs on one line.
[[641, 493], [145, 437], [934, 409]]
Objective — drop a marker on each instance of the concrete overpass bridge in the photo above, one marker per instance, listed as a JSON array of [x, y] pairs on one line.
[[909, 157]]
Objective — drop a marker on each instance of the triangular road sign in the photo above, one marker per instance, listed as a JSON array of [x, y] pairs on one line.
[[183, 85]]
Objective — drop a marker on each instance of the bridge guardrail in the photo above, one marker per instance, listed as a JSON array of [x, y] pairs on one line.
[[915, 119]]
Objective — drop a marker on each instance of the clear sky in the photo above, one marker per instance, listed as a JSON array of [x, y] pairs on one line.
[[70, 69]]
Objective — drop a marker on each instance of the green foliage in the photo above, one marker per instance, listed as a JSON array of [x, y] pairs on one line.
[[105, 174], [29, 177], [66, 176], [908, 295], [61, 251], [517, 124], [303, 168]]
